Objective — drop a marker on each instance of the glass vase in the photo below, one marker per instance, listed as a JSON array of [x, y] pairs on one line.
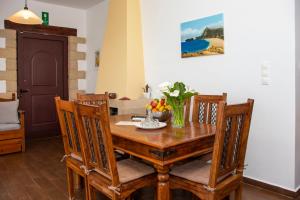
[[178, 116]]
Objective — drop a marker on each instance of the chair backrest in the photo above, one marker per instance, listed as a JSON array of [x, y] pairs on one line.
[[205, 108], [92, 99], [13, 98], [68, 120], [97, 139], [187, 109], [233, 124]]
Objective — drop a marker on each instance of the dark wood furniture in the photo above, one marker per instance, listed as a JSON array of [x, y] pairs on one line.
[[205, 108], [13, 140], [98, 99], [187, 110], [68, 120], [163, 147], [93, 99], [117, 180], [224, 174]]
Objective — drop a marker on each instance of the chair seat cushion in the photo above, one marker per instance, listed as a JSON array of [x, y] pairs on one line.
[[197, 171], [9, 112], [9, 127], [130, 170]]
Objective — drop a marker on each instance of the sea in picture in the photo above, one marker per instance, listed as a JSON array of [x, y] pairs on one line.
[[194, 46], [203, 36]]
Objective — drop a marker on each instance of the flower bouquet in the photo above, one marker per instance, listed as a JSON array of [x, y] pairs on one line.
[[176, 95]]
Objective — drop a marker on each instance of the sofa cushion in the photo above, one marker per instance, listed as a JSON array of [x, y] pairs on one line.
[[9, 127], [9, 112]]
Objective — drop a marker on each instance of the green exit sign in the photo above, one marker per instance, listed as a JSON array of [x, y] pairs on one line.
[[45, 18]]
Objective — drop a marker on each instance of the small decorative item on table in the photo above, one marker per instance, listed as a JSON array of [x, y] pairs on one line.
[[176, 96], [149, 122], [147, 93], [160, 109]]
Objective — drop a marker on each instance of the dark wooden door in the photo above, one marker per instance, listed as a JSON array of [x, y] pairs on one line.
[[42, 75]]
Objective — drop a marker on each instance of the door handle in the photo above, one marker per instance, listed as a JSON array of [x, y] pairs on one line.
[[24, 91]]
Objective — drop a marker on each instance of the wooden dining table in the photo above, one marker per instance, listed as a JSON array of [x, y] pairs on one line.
[[162, 147]]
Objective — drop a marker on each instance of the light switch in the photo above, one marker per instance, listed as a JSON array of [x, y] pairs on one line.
[[265, 73], [265, 81]]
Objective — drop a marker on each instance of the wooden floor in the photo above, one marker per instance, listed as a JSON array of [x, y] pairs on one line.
[[38, 174]]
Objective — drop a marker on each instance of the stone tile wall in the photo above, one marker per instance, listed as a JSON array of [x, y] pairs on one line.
[[74, 73], [9, 54]]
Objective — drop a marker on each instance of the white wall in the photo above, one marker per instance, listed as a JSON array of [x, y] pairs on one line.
[[255, 31], [58, 16], [297, 155], [96, 22]]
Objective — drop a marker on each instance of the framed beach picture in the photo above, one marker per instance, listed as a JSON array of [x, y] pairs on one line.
[[203, 36]]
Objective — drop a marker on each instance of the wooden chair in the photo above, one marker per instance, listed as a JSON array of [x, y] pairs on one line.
[[116, 180], [205, 108], [68, 119], [225, 173], [97, 99], [12, 135], [93, 99], [187, 110]]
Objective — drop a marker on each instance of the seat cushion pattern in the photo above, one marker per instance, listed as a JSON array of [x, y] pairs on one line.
[[130, 170], [9, 127], [197, 171]]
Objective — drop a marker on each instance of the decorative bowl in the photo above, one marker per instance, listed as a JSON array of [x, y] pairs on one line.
[[161, 116]]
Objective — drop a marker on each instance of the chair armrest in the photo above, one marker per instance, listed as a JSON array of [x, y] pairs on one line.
[[22, 118]]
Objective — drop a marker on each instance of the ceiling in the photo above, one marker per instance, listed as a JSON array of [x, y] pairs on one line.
[[82, 4]]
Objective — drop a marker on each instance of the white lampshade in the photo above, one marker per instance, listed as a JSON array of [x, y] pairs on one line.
[[25, 16]]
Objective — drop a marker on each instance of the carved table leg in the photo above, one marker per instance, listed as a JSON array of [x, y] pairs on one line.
[[163, 186]]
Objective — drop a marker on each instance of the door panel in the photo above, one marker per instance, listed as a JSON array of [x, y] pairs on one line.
[[42, 75], [45, 74]]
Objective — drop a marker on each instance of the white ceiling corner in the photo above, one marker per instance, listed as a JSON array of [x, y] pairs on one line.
[[81, 4]]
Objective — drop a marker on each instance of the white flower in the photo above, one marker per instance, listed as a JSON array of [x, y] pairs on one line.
[[175, 93], [164, 87], [189, 89]]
